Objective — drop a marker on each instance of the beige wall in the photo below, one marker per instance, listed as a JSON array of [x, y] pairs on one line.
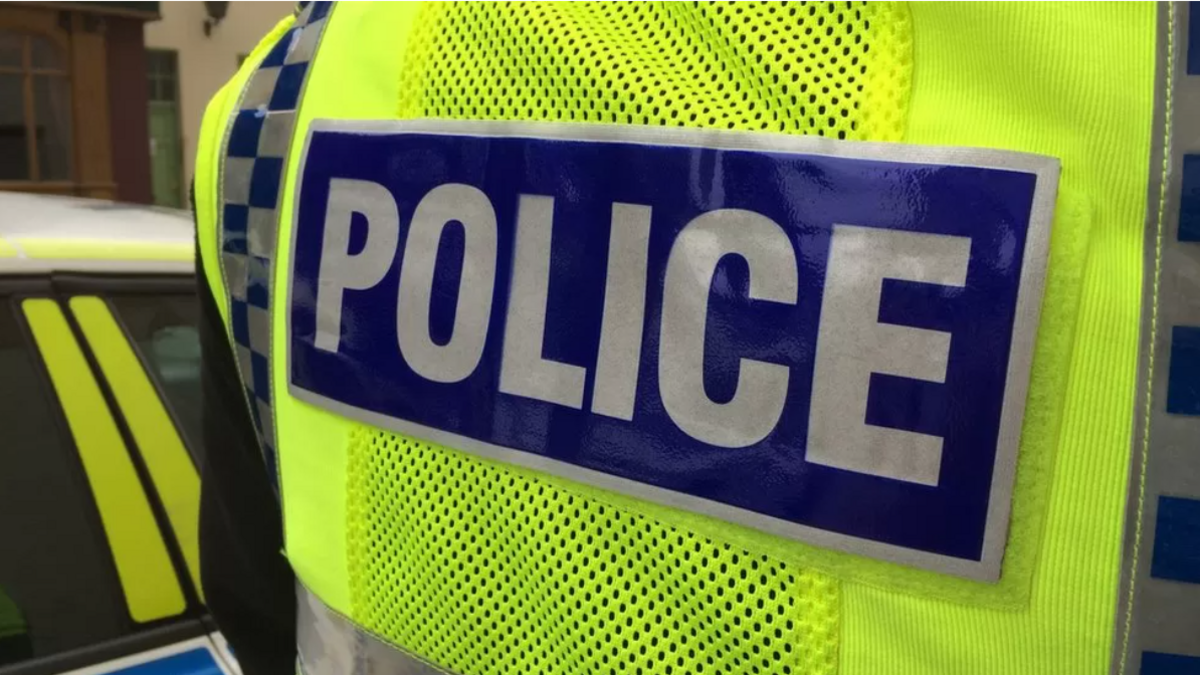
[[207, 63]]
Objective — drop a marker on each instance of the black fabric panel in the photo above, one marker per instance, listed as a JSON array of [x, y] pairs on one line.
[[248, 584]]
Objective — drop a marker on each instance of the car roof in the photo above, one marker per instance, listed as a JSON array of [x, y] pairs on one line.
[[40, 233]]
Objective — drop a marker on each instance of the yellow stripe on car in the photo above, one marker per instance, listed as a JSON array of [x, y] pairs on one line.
[[175, 477], [103, 249], [152, 590]]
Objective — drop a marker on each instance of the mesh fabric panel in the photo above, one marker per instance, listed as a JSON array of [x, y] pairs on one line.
[[487, 569], [834, 69]]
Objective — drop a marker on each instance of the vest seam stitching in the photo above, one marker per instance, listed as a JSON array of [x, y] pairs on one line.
[[1148, 407]]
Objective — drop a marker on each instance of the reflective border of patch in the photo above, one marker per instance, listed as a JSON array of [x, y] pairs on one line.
[[1158, 607], [1025, 322]]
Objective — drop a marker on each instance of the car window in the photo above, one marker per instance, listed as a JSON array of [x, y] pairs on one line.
[[163, 327], [56, 572]]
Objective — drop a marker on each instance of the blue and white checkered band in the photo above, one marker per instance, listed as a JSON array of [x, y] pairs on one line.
[[255, 154]]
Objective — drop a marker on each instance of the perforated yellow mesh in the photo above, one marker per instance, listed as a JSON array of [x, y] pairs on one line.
[[485, 569], [834, 69], [488, 569]]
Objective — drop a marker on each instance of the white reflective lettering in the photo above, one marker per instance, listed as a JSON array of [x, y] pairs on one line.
[[620, 353], [459, 357], [339, 270], [761, 391], [523, 371], [852, 344]]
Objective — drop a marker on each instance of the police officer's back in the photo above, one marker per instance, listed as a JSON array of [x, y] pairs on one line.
[[749, 338]]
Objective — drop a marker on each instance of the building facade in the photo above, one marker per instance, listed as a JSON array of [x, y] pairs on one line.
[[104, 99]]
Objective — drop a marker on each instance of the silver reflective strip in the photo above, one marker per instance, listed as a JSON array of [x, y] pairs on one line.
[[1158, 612], [245, 362], [328, 644], [234, 265], [260, 88], [235, 179], [259, 323], [277, 132], [260, 233]]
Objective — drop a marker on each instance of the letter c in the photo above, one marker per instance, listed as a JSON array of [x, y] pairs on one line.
[[761, 390]]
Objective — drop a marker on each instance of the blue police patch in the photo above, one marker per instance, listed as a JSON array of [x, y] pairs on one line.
[[824, 340]]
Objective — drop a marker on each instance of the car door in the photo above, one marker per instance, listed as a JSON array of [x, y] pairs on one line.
[[157, 318], [142, 332], [93, 576]]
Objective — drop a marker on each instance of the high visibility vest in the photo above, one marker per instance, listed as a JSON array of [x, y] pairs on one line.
[[735, 338]]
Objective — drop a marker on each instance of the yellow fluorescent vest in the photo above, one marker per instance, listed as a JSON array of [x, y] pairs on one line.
[[426, 557]]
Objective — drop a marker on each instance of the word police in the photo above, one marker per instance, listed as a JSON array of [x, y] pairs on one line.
[[851, 343]]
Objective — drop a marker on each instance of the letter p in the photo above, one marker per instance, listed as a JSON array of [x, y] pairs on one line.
[[340, 270]]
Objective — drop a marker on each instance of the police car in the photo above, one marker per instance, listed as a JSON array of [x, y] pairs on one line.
[[100, 442]]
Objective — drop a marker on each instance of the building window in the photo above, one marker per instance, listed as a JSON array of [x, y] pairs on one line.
[[162, 67], [35, 109]]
